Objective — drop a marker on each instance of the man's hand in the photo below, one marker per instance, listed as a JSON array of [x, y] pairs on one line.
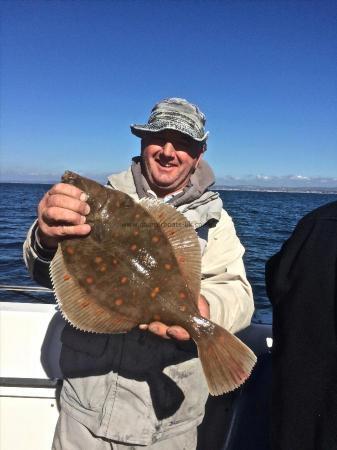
[[176, 331], [61, 214]]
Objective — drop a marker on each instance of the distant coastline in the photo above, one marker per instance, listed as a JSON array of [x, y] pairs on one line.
[[285, 189], [221, 187]]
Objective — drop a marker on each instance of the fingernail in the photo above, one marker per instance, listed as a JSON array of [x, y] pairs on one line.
[[83, 219], [173, 332], [154, 328], [87, 209], [143, 326], [87, 228], [83, 197]]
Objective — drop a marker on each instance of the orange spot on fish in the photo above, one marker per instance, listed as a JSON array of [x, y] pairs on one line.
[[221, 339], [182, 295], [102, 268], [124, 280], [168, 266], [156, 317], [154, 292], [114, 262], [119, 301], [66, 277], [70, 250], [89, 280], [135, 232], [137, 216], [98, 259], [133, 247], [155, 239], [182, 308]]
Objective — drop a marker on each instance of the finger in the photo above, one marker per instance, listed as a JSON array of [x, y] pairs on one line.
[[69, 190], [54, 214], [66, 230], [73, 230], [178, 333], [63, 201], [204, 307], [159, 329]]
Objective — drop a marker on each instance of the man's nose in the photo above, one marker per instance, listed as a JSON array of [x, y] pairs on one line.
[[168, 150]]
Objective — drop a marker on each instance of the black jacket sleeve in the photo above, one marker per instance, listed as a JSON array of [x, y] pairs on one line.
[[301, 283]]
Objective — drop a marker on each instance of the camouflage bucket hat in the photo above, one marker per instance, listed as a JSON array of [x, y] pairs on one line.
[[174, 114]]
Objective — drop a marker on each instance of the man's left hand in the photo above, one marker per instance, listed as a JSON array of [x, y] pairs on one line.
[[175, 331]]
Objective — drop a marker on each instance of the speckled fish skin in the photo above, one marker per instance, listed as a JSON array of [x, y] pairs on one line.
[[140, 263], [126, 264]]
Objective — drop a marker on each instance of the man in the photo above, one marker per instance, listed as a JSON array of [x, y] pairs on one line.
[[146, 387], [302, 286]]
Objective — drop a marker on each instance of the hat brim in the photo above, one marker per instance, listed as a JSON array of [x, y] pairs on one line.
[[144, 130]]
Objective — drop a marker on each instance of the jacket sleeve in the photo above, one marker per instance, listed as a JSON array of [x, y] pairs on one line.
[[280, 268], [224, 283], [37, 258]]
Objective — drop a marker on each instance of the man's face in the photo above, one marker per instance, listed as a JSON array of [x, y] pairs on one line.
[[169, 159]]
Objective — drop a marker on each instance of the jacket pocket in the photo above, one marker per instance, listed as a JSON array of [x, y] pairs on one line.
[[89, 393], [190, 379]]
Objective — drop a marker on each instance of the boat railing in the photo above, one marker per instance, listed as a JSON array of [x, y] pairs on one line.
[[11, 287]]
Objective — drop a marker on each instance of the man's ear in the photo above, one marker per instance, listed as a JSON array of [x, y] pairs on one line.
[[199, 159]]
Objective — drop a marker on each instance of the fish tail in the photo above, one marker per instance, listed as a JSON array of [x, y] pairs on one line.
[[227, 362]]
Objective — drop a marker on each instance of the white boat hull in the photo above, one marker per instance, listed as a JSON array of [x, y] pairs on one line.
[[28, 391]]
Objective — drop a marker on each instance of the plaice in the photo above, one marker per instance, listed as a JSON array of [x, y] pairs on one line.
[[141, 263]]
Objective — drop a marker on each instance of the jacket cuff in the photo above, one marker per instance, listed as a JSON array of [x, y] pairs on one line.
[[46, 254]]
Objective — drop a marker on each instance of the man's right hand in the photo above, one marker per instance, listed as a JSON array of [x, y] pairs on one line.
[[62, 214]]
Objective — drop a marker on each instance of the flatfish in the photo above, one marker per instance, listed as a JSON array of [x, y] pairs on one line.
[[140, 263]]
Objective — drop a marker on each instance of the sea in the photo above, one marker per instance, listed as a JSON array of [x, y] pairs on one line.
[[263, 221]]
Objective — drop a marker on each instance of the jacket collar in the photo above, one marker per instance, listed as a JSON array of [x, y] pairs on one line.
[[199, 183]]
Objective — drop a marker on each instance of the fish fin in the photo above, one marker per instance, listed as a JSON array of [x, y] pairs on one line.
[[77, 308], [227, 362], [183, 239]]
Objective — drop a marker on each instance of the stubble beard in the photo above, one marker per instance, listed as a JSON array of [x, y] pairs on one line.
[[165, 188]]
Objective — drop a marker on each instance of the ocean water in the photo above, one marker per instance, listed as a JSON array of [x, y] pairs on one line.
[[263, 220]]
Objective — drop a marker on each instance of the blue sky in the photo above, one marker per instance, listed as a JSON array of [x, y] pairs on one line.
[[76, 74]]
